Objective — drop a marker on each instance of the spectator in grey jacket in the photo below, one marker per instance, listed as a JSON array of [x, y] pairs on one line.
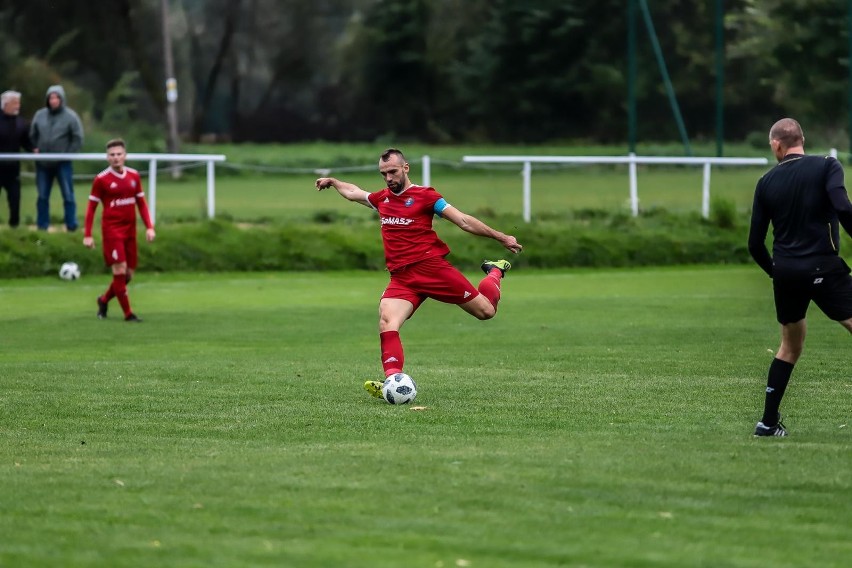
[[56, 129]]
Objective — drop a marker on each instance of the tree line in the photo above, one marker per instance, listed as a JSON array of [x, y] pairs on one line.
[[439, 71]]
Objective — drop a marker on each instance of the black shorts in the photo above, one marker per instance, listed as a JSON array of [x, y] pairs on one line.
[[832, 293]]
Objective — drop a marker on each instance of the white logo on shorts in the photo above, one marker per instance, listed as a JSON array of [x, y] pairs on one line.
[[466, 293], [817, 280], [114, 254]]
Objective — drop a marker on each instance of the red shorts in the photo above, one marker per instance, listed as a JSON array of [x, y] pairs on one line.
[[431, 278], [120, 249]]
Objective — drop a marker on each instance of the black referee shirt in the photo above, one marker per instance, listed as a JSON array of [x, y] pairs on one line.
[[804, 198]]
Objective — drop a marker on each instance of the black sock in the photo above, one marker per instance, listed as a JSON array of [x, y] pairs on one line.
[[776, 384]]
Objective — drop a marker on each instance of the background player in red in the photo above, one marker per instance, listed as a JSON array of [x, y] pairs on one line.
[[119, 189], [415, 256]]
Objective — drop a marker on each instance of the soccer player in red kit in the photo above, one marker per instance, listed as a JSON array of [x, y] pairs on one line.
[[119, 189], [415, 256]]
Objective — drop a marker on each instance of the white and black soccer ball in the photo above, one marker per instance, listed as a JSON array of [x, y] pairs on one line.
[[399, 389], [69, 271]]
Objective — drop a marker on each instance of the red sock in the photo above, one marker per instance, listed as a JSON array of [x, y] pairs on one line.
[[490, 286], [392, 358], [119, 288], [109, 294]]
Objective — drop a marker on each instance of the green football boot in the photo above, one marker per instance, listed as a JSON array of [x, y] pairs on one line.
[[374, 388], [502, 265]]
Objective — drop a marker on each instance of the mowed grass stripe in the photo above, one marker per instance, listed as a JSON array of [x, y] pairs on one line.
[[602, 419]]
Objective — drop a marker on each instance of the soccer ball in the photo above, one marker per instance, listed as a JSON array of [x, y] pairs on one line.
[[399, 389], [69, 271]]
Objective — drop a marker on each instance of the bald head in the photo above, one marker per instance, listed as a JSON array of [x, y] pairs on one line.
[[788, 132], [786, 137]]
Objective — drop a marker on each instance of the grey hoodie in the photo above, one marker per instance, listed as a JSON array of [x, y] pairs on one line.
[[57, 131]]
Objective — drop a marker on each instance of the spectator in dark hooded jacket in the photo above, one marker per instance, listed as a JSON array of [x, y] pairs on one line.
[[14, 135], [56, 129]]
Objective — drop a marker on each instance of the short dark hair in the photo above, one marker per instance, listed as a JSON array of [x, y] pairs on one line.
[[116, 142], [386, 155]]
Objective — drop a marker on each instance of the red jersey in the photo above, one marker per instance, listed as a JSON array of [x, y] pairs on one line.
[[120, 194], [406, 218]]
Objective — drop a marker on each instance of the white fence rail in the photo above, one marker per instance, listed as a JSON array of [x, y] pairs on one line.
[[631, 160], [152, 160]]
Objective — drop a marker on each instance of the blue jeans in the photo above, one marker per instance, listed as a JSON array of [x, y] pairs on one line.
[[61, 171]]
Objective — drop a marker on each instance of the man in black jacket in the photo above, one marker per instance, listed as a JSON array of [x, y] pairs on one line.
[[805, 199], [14, 135]]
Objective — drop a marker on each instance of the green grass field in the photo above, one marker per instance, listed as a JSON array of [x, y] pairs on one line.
[[604, 418]]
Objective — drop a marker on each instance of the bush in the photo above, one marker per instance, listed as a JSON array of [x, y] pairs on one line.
[[593, 239], [723, 213]]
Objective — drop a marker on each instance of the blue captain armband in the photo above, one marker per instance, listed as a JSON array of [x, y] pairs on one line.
[[440, 205]]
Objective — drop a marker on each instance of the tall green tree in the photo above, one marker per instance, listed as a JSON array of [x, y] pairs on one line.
[[432, 70], [521, 77], [796, 57], [386, 84]]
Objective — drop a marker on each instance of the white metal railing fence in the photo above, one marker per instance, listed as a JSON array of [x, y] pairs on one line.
[[152, 160], [631, 160]]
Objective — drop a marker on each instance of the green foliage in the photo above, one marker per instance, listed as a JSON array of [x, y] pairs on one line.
[[120, 118], [797, 47], [518, 46], [334, 242], [32, 76], [723, 213], [441, 71], [62, 43], [759, 139], [28, 253]]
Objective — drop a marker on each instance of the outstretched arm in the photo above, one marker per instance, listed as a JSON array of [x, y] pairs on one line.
[[474, 226], [347, 190]]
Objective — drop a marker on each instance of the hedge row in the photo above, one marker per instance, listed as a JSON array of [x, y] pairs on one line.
[[588, 239]]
